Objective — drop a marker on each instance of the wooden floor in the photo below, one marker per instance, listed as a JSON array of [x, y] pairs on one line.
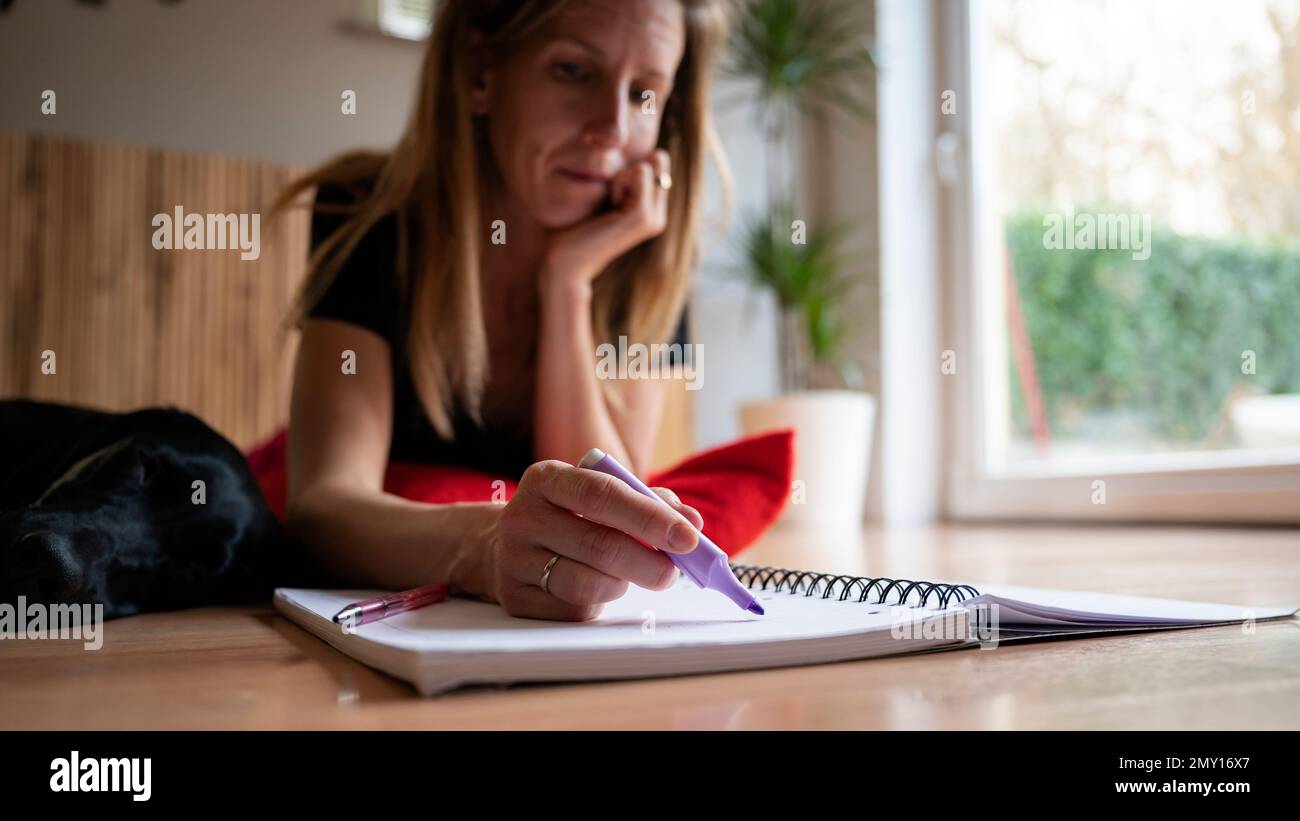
[[250, 668]]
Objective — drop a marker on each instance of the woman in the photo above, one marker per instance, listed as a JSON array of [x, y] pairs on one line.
[[542, 200]]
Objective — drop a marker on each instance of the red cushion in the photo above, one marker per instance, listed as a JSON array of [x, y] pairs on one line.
[[739, 488]]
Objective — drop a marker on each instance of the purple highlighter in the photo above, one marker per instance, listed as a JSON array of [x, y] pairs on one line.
[[706, 565]]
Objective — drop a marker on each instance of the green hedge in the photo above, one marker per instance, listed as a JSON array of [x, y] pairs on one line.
[[1165, 335]]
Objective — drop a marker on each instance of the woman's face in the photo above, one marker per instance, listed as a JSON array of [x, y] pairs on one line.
[[569, 110]]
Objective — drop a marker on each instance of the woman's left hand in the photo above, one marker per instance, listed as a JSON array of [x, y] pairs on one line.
[[578, 254]]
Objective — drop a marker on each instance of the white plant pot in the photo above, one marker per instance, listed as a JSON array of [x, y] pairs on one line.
[[832, 452]]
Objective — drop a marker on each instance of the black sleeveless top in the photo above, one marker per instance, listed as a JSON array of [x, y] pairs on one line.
[[367, 293]]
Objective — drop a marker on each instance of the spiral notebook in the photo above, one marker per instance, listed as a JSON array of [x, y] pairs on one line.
[[812, 618]]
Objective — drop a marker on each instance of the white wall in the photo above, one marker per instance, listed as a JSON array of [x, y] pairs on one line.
[[248, 78], [262, 79], [736, 325], [911, 414]]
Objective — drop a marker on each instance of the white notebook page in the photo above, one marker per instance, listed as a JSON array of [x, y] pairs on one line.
[[1053, 607], [683, 615]]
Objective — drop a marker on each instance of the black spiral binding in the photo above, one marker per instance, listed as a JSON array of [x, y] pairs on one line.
[[810, 583]]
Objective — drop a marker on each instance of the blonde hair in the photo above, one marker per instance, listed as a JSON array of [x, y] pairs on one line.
[[431, 182]]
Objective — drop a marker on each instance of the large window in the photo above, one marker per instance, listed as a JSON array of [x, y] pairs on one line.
[[1132, 223], [408, 19]]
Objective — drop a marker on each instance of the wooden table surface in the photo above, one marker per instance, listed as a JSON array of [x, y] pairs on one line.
[[247, 667]]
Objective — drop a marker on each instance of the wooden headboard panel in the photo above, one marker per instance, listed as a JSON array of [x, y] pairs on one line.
[[131, 326], [128, 325]]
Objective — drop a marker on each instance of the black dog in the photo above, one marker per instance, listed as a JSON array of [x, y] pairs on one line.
[[106, 508]]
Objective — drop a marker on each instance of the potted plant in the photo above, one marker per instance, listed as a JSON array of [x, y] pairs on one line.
[[806, 59]]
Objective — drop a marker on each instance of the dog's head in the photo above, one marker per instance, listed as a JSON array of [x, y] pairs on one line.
[[148, 522]]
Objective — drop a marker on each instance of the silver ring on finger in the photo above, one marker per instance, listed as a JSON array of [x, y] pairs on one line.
[[545, 583]]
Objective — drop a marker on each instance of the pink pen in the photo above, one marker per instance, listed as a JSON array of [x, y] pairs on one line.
[[364, 612], [706, 565]]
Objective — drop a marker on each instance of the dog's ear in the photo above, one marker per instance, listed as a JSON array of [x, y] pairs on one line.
[[148, 465], [145, 465]]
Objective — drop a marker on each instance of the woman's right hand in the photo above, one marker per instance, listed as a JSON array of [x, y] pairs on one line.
[[589, 520]]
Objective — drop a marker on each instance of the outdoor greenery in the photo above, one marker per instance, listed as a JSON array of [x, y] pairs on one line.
[[1165, 335]]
